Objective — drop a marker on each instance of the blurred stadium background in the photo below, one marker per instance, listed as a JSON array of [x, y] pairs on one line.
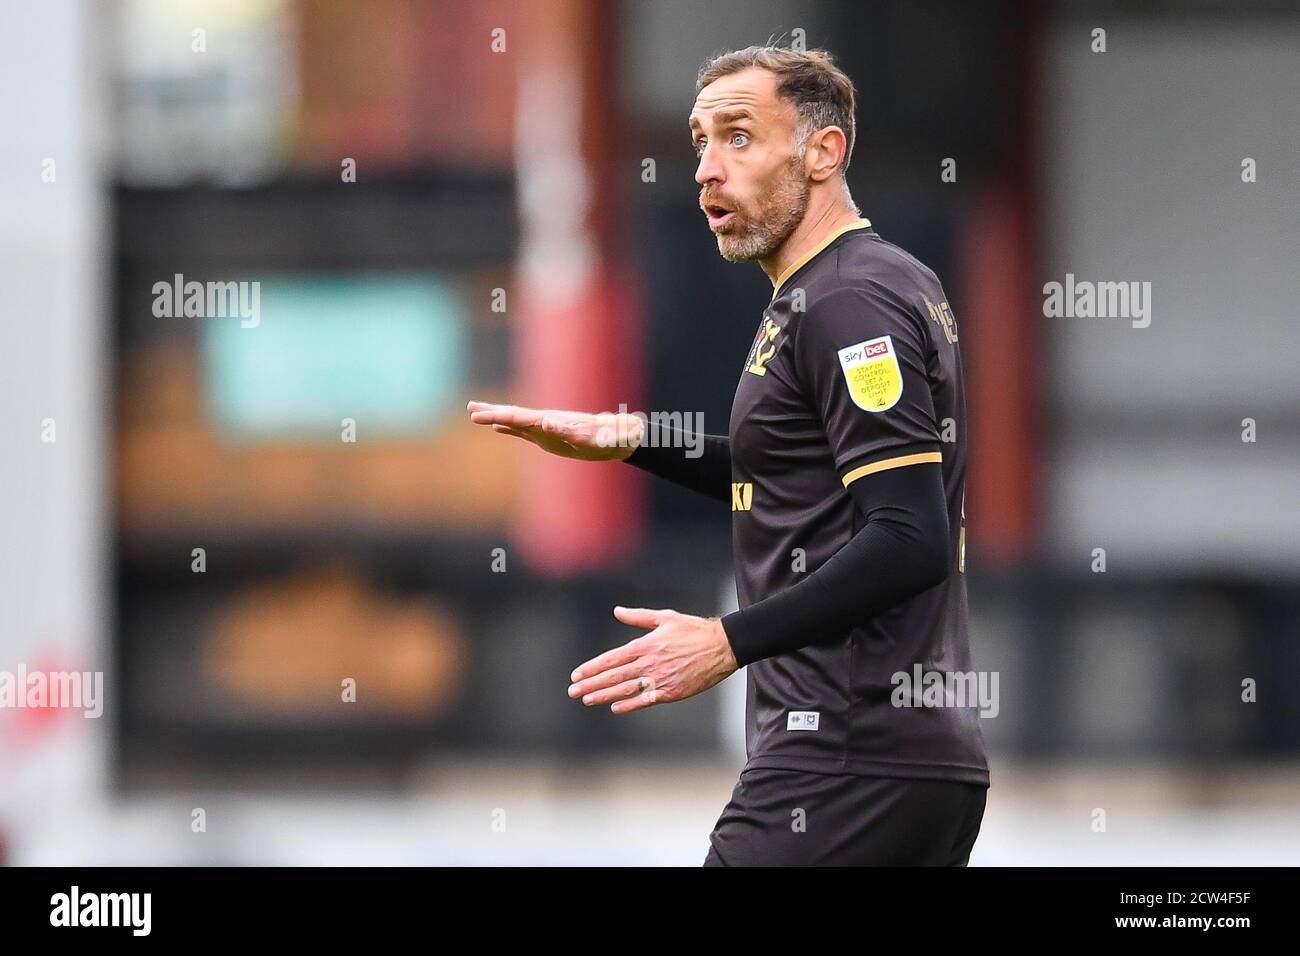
[[505, 146]]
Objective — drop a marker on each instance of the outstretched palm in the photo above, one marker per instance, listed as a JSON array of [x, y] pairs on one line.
[[606, 436]]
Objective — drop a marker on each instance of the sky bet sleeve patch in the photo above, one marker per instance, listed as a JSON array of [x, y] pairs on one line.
[[872, 373], [884, 375]]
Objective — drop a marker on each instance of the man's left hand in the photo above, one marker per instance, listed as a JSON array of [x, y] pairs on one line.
[[680, 657]]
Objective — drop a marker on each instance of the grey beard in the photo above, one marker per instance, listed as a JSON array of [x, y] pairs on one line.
[[764, 236]]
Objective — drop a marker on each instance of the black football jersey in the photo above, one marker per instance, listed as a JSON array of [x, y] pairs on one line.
[[855, 368]]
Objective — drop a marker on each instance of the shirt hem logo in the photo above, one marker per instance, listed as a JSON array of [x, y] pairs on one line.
[[803, 720]]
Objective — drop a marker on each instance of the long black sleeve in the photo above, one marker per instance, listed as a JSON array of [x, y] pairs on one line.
[[664, 452], [901, 550]]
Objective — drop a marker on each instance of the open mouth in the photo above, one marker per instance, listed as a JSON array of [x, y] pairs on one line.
[[718, 215]]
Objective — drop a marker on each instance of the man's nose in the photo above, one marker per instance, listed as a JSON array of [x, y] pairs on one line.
[[709, 170]]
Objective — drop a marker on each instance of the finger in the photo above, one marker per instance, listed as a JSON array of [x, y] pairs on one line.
[[476, 406], [632, 704], [507, 430], [615, 675], [620, 691], [610, 659], [505, 415], [641, 616]]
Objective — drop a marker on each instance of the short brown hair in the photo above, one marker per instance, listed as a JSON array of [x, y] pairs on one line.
[[821, 92]]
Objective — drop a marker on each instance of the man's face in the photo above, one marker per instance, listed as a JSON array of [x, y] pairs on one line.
[[754, 188]]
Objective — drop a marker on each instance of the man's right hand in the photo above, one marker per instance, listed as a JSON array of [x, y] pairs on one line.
[[608, 436]]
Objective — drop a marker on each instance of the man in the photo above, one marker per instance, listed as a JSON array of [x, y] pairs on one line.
[[845, 470]]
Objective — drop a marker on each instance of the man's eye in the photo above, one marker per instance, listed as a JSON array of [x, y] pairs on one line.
[[741, 136], [699, 146]]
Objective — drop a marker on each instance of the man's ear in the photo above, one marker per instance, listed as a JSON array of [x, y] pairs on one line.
[[826, 149]]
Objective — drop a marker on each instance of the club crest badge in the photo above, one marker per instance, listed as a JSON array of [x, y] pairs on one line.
[[764, 347], [872, 373]]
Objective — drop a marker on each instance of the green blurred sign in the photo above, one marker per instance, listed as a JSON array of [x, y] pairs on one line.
[[386, 351]]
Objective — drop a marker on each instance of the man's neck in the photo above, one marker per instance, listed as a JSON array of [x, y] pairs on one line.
[[812, 230]]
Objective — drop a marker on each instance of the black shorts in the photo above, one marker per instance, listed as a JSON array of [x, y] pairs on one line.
[[797, 818]]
